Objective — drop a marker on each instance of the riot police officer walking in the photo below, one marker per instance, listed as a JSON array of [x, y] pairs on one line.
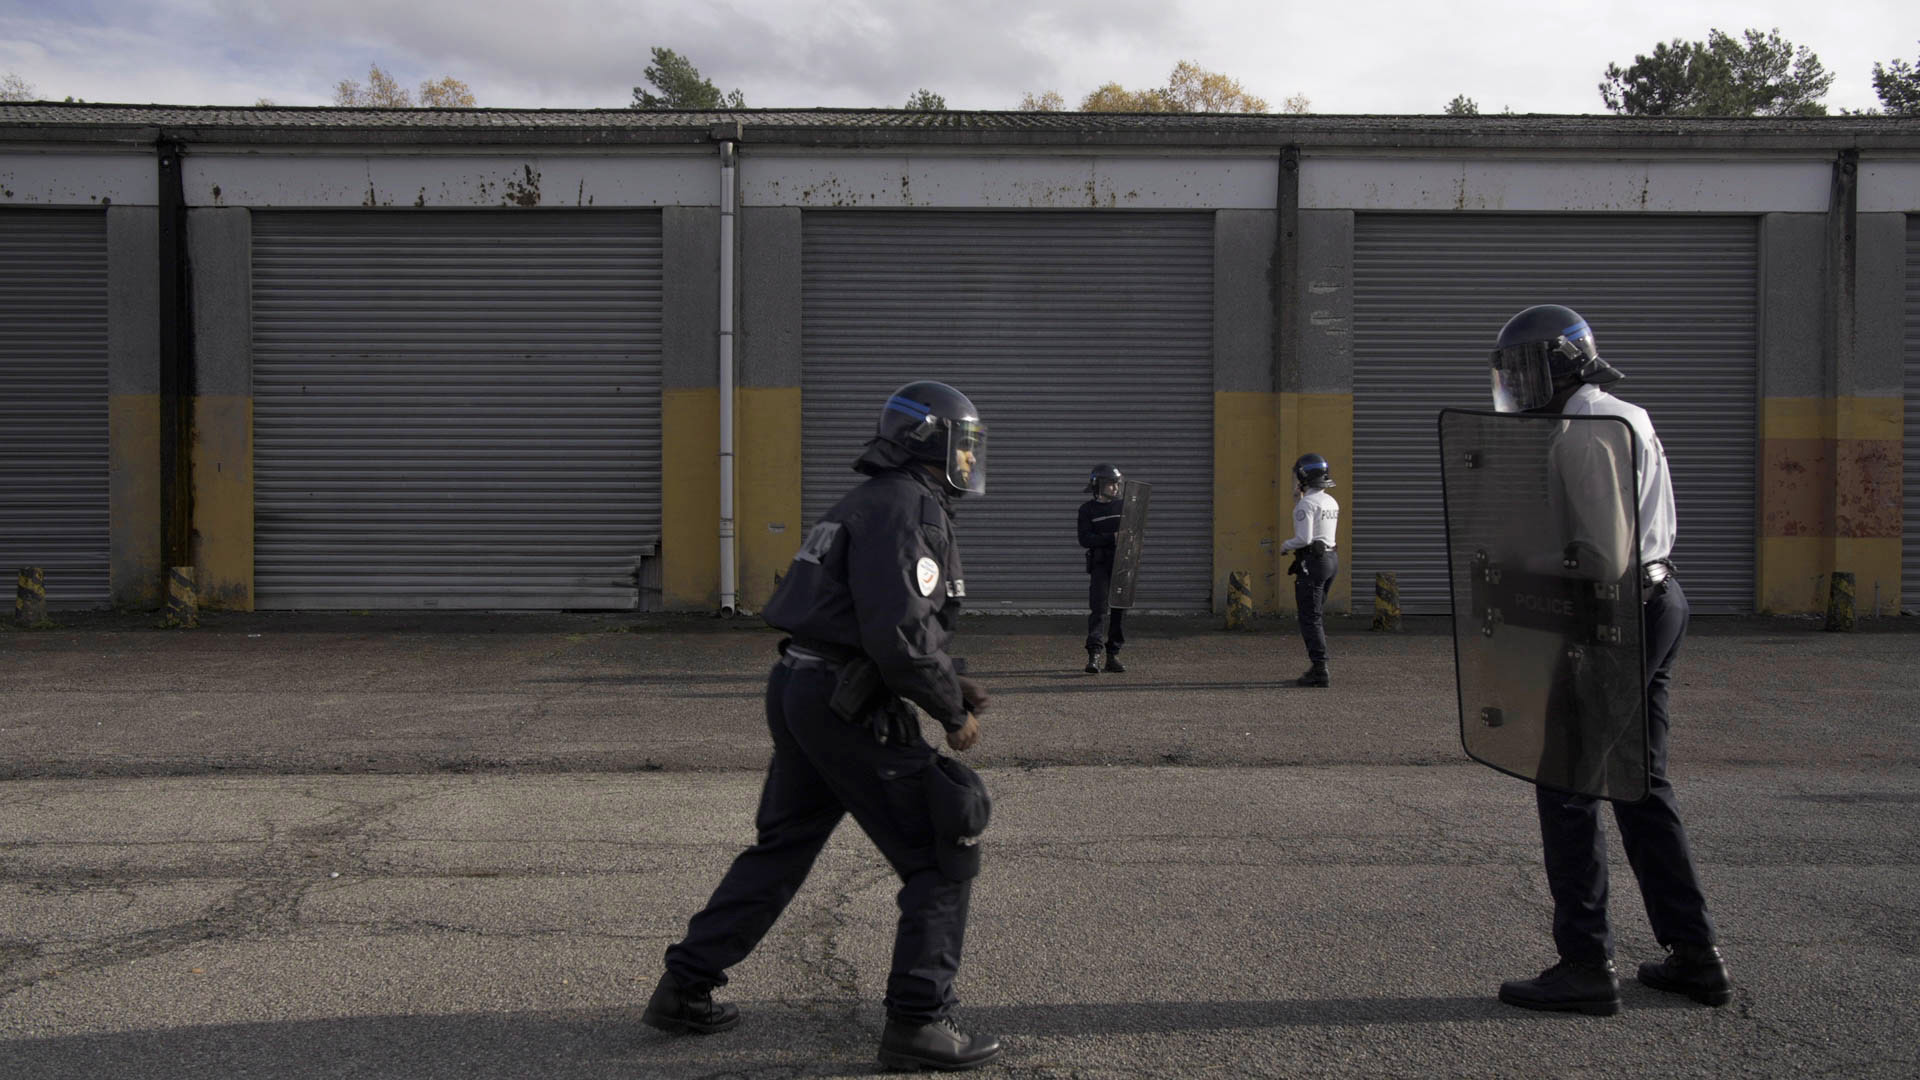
[[1316, 524], [1546, 361], [870, 601], [1099, 525]]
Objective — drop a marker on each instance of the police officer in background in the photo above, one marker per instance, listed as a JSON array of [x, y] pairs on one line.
[[1546, 361], [1099, 524], [1316, 523], [870, 601]]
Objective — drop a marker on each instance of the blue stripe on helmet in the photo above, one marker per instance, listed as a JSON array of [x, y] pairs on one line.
[[1578, 329], [909, 406]]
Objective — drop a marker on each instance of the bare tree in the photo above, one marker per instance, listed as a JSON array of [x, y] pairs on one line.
[[15, 88]]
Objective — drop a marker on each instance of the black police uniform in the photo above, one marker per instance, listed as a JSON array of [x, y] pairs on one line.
[[878, 578], [1650, 830], [1099, 522], [1575, 845]]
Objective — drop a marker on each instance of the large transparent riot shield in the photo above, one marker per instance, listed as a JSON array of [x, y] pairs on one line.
[[1134, 497], [1543, 543]]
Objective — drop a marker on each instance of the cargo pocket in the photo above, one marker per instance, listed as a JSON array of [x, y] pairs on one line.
[[903, 780]]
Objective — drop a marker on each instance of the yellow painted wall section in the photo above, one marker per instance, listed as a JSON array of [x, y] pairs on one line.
[[1245, 485], [1319, 424], [223, 501], [690, 499], [1830, 499], [133, 500], [766, 487]]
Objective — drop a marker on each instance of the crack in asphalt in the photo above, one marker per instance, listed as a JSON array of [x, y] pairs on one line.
[[267, 900]]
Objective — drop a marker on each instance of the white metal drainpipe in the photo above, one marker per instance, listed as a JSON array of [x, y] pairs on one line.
[[728, 148]]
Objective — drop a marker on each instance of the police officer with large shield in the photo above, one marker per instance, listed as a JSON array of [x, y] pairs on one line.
[[1567, 622], [1112, 526], [870, 601]]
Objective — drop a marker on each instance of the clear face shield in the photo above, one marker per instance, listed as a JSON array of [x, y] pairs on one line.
[[1107, 490], [1523, 375], [967, 456]]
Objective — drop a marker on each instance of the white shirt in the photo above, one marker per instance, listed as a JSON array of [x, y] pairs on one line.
[[1658, 524], [1315, 517]]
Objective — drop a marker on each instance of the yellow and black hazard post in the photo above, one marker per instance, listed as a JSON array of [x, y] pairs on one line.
[[183, 605], [30, 598], [1386, 602], [1840, 601], [1239, 600]]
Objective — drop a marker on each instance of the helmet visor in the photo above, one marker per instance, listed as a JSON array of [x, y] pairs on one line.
[[1522, 377], [967, 456]]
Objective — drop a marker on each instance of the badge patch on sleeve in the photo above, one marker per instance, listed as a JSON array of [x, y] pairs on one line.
[[928, 573]]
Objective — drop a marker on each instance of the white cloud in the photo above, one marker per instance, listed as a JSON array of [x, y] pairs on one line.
[[1361, 56]]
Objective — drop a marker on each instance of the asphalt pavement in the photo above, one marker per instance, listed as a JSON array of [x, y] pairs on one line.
[[455, 845]]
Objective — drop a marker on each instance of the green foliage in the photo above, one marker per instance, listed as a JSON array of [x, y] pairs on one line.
[[925, 100], [1045, 101], [680, 86], [1754, 75], [1898, 85], [1462, 105]]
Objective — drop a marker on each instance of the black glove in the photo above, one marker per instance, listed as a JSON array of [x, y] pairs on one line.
[[1293, 568], [973, 695]]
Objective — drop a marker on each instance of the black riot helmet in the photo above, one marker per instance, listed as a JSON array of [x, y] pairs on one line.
[[934, 423], [1099, 477], [1312, 473], [1540, 351]]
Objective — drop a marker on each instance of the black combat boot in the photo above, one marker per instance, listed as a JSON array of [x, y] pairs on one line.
[[674, 1008], [1093, 661], [939, 1045], [1582, 986], [1114, 664], [1694, 970], [1315, 676]]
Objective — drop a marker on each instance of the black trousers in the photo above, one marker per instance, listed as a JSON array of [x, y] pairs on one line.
[[1575, 846], [824, 768], [1105, 623], [1310, 589]]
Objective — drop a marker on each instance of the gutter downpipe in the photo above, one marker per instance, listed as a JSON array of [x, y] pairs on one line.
[[729, 149]]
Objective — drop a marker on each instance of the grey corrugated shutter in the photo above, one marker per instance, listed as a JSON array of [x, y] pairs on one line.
[[53, 402], [1081, 336], [1673, 303], [1910, 534], [456, 410]]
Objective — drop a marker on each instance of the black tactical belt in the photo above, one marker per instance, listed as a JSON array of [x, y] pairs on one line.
[[802, 652]]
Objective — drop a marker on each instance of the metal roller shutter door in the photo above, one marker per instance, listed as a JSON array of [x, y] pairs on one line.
[[53, 402], [455, 410], [1081, 336], [1910, 533], [1673, 301]]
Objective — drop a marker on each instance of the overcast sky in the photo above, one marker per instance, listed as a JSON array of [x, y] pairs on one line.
[[1346, 56]]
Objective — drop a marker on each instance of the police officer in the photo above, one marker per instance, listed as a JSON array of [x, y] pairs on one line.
[[1099, 524], [1316, 523], [1546, 361], [870, 601]]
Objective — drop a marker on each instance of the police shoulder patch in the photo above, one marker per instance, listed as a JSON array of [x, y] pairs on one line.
[[926, 575]]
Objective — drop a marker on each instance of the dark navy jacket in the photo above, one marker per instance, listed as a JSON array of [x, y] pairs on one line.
[[880, 574], [1099, 521]]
